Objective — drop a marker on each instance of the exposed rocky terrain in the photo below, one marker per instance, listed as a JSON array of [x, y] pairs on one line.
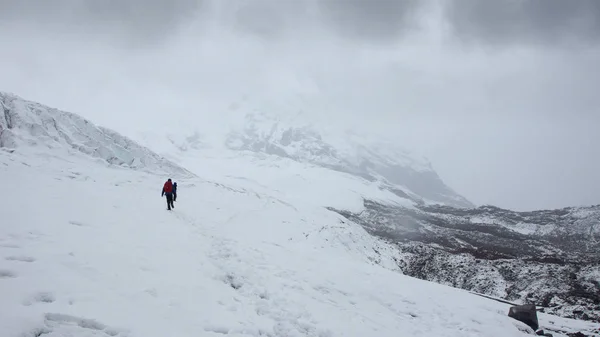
[[549, 257]]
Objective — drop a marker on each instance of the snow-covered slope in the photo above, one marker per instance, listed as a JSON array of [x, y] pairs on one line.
[[252, 248], [548, 257], [539, 257], [399, 170], [28, 124], [89, 250]]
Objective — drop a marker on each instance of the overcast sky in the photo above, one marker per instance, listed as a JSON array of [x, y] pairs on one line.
[[501, 96]]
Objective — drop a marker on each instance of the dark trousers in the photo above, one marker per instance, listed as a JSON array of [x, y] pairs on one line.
[[174, 196], [169, 201]]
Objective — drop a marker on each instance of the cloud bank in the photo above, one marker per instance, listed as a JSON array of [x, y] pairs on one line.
[[501, 95]]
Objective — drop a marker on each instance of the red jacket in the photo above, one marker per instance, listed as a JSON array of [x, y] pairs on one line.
[[168, 187]]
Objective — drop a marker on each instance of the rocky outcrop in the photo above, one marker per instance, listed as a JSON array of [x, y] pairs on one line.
[[549, 257], [6, 138], [525, 313]]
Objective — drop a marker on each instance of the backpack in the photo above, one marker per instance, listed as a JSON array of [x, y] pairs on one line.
[[168, 188]]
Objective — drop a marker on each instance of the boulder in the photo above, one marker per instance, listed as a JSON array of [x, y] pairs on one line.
[[525, 313]]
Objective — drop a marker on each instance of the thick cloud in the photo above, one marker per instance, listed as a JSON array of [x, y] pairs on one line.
[[530, 22], [266, 18], [153, 20], [378, 20], [138, 21], [511, 125], [502, 23]]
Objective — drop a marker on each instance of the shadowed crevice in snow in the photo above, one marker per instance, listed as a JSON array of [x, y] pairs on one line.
[[20, 258], [233, 281], [68, 325], [5, 273], [40, 297], [5, 125], [7, 116]]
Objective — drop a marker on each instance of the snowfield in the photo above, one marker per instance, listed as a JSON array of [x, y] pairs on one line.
[[89, 249]]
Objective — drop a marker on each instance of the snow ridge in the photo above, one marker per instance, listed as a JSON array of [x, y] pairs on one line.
[[395, 168], [32, 125]]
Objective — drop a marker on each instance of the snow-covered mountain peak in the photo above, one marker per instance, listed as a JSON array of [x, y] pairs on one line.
[[262, 115], [33, 126], [378, 149], [365, 156]]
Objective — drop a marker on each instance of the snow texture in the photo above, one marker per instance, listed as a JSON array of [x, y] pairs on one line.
[[26, 123], [102, 257], [89, 249], [399, 170]]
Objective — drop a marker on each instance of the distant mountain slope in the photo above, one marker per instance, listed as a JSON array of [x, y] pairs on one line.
[[548, 257], [30, 124], [399, 171]]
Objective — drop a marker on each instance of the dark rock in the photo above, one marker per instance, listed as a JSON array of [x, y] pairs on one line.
[[539, 332], [451, 245], [577, 334], [525, 313]]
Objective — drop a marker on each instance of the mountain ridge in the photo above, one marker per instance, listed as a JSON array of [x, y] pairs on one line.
[[397, 169], [30, 124], [524, 256], [88, 249], [533, 257], [440, 235]]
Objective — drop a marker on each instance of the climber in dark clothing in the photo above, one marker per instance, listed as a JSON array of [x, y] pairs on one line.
[[168, 191], [174, 191]]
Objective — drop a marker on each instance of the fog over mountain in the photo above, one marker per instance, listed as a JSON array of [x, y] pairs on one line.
[[499, 96]]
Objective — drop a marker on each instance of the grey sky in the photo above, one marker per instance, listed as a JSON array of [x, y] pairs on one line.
[[536, 22], [500, 95]]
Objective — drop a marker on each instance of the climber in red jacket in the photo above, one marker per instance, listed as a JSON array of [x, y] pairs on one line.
[[168, 190]]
